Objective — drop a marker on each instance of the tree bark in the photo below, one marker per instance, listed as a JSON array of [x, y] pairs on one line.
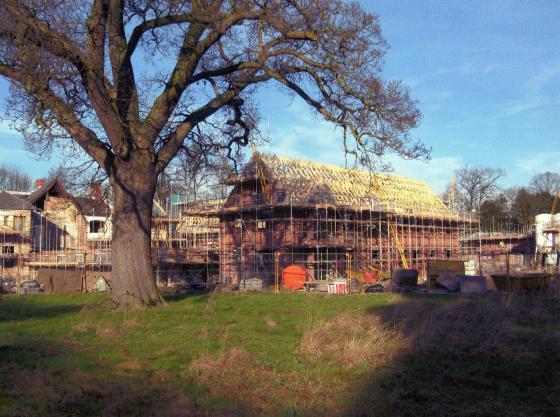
[[134, 284]]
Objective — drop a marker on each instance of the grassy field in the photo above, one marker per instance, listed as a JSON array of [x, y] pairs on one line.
[[281, 355]]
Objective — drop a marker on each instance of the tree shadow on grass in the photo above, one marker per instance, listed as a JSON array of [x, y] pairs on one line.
[[44, 378], [201, 296], [26, 307], [455, 357], [465, 357]]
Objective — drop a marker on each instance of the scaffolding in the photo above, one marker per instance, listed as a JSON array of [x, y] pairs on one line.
[[330, 241], [331, 221], [281, 212]]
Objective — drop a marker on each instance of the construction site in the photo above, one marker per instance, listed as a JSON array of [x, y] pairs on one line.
[[331, 221], [325, 221]]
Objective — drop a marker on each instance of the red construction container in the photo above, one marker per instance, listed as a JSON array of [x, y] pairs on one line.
[[293, 277]]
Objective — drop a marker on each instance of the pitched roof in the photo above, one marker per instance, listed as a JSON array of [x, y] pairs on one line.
[[199, 224], [11, 202], [46, 188], [307, 183], [201, 206], [92, 206]]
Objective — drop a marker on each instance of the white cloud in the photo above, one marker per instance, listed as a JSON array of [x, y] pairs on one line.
[[436, 99], [319, 141], [489, 69], [412, 82], [536, 94], [12, 154], [540, 162], [530, 102], [545, 74], [465, 69]]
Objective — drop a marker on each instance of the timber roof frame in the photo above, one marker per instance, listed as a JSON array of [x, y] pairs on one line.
[[309, 184]]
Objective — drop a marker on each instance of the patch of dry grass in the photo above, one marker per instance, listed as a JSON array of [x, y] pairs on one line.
[[352, 339], [461, 327], [465, 327], [80, 328], [235, 375], [116, 330], [231, 361]]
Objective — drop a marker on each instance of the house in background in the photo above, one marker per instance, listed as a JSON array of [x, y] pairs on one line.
[[17, 217], [70, 225], [73, 234]]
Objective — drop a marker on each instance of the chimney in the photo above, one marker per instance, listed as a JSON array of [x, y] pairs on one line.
[[39, 182], [95, 190]]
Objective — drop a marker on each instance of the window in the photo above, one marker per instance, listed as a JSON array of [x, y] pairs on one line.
[[8, 249], [102, 257], [19, 222], [80, 257], [258, 198], [280, 196], [96, 226]]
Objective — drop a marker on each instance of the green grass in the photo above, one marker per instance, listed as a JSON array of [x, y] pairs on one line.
[[229, 354]]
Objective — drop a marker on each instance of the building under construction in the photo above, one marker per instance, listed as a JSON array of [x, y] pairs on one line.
[[329, 220]]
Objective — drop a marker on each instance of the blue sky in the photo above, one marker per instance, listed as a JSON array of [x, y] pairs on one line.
[[486, 75]]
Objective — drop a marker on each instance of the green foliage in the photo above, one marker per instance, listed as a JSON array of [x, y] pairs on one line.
[[500, 213], [494, 214], [528, 204]]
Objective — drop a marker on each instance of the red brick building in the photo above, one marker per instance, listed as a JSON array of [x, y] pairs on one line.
[[331, 221]]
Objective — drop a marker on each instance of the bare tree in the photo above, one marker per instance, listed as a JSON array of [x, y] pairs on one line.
[[202, 178], [133, 82], [547, 182], [78, 179], [13, 179], [476, 185]]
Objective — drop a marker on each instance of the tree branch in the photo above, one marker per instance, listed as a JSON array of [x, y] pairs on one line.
[[65, 116], [45, 37], [191, 52], [121, 65]]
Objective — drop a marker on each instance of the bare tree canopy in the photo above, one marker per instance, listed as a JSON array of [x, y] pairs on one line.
[[547, 182], [134, 82], [13, 179], [475, 185]]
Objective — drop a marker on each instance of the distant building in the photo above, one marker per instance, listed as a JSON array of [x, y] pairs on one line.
[[17, 217]]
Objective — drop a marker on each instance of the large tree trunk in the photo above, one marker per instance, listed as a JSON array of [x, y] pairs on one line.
[[134, 284]]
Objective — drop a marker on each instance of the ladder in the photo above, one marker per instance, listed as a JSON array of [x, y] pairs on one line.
[[398, 245], [261, 179]]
